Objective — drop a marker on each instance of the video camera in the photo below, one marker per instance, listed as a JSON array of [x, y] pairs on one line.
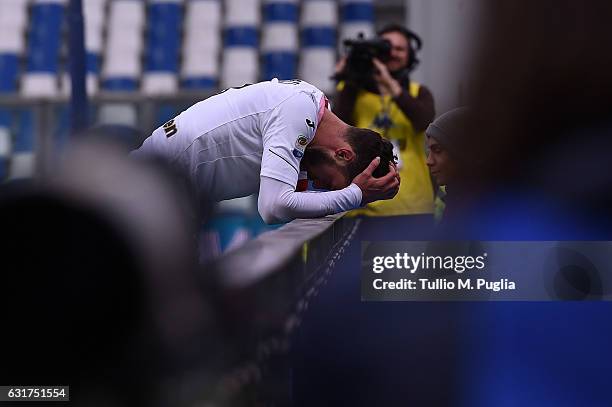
[[359, 66]]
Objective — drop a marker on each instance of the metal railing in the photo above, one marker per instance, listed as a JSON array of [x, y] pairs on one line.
[[263, 289]]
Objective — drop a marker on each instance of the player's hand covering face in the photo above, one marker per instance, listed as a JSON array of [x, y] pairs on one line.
[[374, 189]]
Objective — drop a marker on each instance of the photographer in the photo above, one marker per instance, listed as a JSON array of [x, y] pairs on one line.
[[375, 91]]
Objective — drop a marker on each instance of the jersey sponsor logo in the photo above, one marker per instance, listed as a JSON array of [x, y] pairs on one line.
[[298, 153], [170, 128]]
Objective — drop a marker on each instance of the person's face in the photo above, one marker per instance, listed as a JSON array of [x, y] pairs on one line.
[[439, 163], [325, 170], [399, 50]]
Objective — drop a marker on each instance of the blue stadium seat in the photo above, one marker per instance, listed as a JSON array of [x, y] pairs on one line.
[[358, 11], [241, 37], [280, 65], [280, 39], [319, 37], [121, 84], [281, 11], [199, 83], [9, 66], [162, 47], [44, 37]]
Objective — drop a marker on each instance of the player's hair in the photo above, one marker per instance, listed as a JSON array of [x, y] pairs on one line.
[[367, 145]]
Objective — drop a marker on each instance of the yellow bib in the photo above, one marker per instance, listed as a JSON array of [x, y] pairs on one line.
[[416, 192]]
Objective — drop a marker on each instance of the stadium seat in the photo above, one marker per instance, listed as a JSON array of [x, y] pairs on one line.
[[9, 68], [240, 56], [201, 44], [279, 50], [124, 44], [318, 53], [12, 40], [126, 13], [357, 17], [240, 66], [279, 39], [14, 15], [317, 66], [162, 47], [357, 10], [44, 39], [319, 13], [203, 13], [242, 13]]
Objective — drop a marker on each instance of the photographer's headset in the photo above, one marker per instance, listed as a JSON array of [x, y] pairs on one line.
[[414, 44]]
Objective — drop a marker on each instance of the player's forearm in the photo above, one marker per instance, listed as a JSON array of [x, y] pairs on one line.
[[279, 203]]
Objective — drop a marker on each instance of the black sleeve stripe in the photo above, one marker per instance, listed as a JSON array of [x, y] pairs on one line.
[[282, 158]]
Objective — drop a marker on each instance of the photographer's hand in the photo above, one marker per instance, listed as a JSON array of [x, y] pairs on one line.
[[386, 83], [374, 189]]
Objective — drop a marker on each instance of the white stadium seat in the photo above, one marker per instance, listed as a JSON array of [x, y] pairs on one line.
[[202, 39], [93, 39], [202, 13], [126, 13], [122, 64], [159, 83], [242, 13], [39, 84], [13, 15], [240, 66], [316, 67], [279, 37], [200, 64], [319, 13], [12, 41], [126, 39]]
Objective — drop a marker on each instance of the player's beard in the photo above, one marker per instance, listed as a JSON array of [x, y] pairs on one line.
[[315, 157]]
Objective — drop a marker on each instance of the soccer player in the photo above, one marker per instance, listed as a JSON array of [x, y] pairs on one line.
[[258, 137]]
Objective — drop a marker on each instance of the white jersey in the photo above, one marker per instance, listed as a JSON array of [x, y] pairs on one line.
[[226, 142]]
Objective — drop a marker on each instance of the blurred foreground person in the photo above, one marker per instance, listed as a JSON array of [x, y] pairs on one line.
[[99, 285], [259, 137], [542, 143]]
